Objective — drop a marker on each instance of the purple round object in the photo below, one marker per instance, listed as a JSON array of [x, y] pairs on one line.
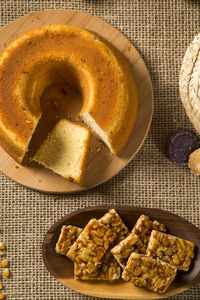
[[180, 144]]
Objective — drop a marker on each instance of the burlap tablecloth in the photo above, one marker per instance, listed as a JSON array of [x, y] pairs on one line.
[[161, 30]]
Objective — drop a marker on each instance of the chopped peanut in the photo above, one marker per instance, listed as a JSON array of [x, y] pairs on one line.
[[2, 246], [4, 263], [6, 272]]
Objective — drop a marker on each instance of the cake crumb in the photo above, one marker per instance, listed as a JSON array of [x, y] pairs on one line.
[[129, 48], [16, 167], [1, 296], [54, 197], [1, 253], [1, 285]]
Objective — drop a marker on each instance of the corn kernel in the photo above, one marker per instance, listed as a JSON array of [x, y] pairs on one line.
[[6, 272], [2, 246], [1, 296], [1, 253], [4, 263], [1, 285]]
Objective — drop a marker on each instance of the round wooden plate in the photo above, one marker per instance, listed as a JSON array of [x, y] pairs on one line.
[[101, 165]]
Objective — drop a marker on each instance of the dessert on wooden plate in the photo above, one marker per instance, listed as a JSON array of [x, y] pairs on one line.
[[63, 53], [148, 257]]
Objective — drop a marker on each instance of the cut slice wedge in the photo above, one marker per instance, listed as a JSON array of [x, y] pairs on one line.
[[65, 149]]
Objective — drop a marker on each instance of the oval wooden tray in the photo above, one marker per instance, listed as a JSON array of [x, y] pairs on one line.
[[101, 165], [62, 268]]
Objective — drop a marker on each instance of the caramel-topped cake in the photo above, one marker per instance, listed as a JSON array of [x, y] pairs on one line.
[[58, 53]]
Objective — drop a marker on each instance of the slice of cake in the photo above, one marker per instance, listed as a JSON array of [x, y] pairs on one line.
[[64, 150]]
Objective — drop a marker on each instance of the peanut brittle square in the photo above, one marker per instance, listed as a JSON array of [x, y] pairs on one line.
[[67, 237], [143, 228], [144, 271], [113, 221], [91, 245], [107, 269], [126, 247], [173, 250]]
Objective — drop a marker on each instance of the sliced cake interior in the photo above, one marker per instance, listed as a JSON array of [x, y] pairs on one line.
[[64, 150]]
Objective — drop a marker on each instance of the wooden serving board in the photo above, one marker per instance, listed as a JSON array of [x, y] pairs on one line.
[[101, 164]]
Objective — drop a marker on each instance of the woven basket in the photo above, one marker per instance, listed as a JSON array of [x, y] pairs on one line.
[[189, 82]]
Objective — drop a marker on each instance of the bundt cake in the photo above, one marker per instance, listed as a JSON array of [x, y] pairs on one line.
[[58, 53], [64, 150]]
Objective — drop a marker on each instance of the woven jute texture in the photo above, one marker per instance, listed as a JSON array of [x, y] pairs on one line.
[[161, 30]]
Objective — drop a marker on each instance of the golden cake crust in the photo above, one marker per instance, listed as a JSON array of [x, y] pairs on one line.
[[41, 57]]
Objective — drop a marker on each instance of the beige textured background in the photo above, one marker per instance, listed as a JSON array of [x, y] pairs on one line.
[[161, 31]]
